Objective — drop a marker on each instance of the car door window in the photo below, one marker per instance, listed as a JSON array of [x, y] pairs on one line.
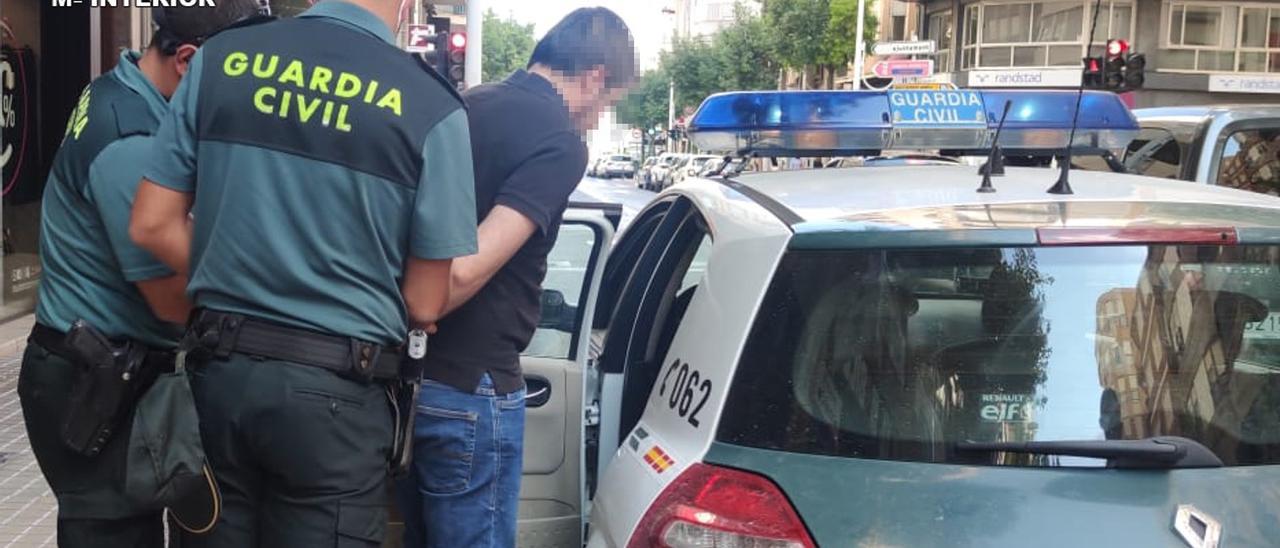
[[1155, 153], [1250, 160], [653, 304], [569, 267]]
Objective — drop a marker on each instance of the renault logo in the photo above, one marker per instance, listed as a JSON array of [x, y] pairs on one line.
[[1196, 527]]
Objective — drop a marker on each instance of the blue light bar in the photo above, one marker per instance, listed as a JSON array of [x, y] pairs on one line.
[[850, 123]]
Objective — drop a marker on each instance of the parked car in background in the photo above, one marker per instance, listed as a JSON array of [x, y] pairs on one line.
[[712, 167], [618, 165], [1234, 146], [595, 167], [662, 171], [673, 175], [645, 173], [692, 167]]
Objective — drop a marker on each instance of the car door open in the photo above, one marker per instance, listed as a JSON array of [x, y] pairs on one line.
[[555, 364]]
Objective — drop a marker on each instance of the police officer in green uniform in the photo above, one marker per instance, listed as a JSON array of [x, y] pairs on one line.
[[329, 175], [94, 273]]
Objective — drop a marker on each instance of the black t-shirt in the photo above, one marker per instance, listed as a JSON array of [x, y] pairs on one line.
[[528, 157]]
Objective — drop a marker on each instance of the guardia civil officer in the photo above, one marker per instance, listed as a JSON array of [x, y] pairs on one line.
[[94, 273], [330, 178], [527, 141]]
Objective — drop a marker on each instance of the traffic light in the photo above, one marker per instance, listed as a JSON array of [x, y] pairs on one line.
[[438, 57], [1114, 69], [457, 56], [1135, 68], [437, 54], [1093, 72]]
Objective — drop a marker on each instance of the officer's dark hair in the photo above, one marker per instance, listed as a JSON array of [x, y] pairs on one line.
[[586, 39], [175, 26]]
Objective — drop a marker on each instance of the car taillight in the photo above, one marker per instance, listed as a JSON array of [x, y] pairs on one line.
[[711, 506], [1137, 235]]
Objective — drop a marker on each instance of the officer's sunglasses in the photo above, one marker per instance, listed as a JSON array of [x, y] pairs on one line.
[[168, 42]]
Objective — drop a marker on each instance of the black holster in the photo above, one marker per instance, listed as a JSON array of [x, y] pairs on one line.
[[110, 378], [403, 396]]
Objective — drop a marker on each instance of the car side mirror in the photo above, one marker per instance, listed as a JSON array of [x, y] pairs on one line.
[[557, 314]]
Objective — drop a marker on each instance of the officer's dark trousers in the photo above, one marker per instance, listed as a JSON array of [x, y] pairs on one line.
[[299, 453], [92, 512]]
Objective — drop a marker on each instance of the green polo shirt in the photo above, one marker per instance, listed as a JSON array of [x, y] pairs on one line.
[[89, 263], [320, 157]]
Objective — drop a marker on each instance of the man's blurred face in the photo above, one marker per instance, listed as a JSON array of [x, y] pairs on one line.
[[589, 97]]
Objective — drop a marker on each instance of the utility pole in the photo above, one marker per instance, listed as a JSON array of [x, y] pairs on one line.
[[671, 90], [860, 52], [671, 106], [475, 41]]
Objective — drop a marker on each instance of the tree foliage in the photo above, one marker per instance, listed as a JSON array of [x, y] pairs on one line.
[[748, 54], [838, 45], [747, 59], [507, 46], [817, 33], [739, 57], [646, 106]]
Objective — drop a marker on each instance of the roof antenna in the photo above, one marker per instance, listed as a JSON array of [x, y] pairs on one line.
[[1063, 186], [995, 158]]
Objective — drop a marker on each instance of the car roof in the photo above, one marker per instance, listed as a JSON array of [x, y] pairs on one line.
[[1196, 114], [843, 194]]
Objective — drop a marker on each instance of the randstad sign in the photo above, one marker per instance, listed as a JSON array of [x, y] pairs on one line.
[[1029, 78]]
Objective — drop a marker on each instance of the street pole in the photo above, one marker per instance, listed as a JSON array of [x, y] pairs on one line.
[[475, 41], [671, 106], [860, 53]]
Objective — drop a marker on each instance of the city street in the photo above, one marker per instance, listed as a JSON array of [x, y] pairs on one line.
[[614, 191]]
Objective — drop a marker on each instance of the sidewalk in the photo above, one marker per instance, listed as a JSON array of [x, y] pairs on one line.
[[28, 511]]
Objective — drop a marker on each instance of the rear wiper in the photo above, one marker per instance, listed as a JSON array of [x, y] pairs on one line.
[[1158, 452]]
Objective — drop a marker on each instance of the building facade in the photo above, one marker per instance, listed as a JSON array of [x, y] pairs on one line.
[[703, 18], [1181, 352], [1198, 51]]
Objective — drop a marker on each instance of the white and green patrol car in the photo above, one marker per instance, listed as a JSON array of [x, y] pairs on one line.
[[889, 357]]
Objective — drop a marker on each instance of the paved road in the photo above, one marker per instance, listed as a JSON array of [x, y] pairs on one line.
[[617, 191]]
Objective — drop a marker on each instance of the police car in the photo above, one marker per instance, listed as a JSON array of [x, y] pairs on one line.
[[900, 356]]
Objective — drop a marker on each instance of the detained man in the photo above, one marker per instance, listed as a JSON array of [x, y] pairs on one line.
[[527, 141]]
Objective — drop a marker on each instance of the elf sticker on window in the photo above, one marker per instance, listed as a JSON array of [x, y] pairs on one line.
[[1007, 408]]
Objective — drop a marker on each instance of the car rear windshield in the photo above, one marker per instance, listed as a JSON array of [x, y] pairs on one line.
[[620, 159], [903, 354]]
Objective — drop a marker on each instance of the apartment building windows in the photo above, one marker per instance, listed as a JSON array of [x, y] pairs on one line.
[[940, 29], [1048, 33], [1203, 37]]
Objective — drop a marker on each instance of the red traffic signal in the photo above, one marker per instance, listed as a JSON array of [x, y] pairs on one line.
[[1117, 48], [458, 40]]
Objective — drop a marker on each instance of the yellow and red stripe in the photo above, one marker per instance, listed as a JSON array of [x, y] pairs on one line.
[[658, 459]]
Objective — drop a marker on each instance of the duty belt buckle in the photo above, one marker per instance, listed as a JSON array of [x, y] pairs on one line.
[[364, 359]]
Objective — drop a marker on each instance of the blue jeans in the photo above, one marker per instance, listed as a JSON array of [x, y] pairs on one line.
[[464, 486]]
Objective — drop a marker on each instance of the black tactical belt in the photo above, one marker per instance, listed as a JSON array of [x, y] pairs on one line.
[[53, 340], [224, 334]]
